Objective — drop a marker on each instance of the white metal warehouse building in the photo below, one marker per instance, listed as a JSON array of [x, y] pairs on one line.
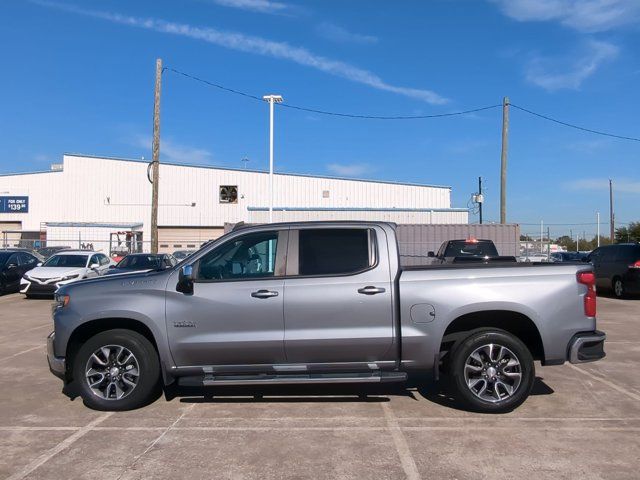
[[86, 199]]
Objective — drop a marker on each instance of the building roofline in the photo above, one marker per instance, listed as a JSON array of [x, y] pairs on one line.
[[95, 224], [36, 172], [234, 169], [354, 209]]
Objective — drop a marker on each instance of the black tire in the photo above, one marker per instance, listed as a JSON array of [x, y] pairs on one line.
[[148, 386], [462, 352], [618, 288]]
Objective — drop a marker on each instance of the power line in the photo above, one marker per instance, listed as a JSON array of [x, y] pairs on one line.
[[211, 84], [597, 132], [325, 112], [398, 117]]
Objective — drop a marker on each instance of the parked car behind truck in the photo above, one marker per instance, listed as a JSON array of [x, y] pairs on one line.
[[617, 268], [470, 250], [321, 302]]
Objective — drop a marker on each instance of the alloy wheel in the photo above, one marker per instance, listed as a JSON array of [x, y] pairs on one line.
[[492, 372], [112, 372], [618, 288]]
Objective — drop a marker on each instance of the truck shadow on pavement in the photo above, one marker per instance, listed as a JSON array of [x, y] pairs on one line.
[[439, 393], [431, 391]]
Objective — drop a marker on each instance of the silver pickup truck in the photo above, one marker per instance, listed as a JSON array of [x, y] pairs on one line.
[[321, 302]]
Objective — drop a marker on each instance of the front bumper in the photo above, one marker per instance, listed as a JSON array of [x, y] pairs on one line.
[[57, 365], [587, 347]]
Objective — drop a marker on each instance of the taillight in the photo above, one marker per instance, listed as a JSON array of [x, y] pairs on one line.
[[589, 279], [635, 265]]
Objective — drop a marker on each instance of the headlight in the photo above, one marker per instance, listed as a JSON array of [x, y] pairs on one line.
[[25, 277], [69, 277], [60, 301]]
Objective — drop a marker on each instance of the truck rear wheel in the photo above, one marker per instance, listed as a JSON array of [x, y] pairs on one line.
[[117, 370], [492, 371]]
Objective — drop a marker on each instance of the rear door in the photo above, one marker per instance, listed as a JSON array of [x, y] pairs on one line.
[[338, 296]]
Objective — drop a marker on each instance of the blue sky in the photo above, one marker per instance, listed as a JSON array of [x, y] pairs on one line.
[[78, 77]]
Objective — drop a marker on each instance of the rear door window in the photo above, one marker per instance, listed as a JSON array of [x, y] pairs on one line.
[[335, 251], [608, 254], [627, 253]]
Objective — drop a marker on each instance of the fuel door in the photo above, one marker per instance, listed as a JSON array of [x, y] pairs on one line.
[[423, 313]]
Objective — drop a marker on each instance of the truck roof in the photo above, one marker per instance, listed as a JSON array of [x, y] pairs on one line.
[[242, 225]]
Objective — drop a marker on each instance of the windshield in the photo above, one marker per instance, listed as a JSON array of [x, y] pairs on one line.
[[77, 261], [140, 262], [462, 248]]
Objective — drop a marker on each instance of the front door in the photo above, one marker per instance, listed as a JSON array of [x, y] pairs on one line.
[[338, 296], [235, 314]]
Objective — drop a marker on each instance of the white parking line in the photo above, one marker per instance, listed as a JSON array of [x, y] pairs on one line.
[[400, 441], [52, 452], [160, 437], [607, 382], [20, 353], [25, 331]]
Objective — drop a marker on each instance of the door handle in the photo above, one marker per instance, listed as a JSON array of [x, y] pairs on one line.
[[264, 294], [369, 290]]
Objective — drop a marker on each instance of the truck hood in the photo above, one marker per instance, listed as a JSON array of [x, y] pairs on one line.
[[116, 270], [119, 283], [55, 272]]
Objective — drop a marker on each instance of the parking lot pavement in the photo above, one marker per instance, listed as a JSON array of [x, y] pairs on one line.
[[581, 422]]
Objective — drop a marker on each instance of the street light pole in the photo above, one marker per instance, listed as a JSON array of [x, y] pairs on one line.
[[272, 99]]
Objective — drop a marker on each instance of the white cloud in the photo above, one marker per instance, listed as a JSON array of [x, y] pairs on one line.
[[174, 152], [349, 169], [558, 73], [339, 34], [261, 6], [582, 15], [259, 46], [623, 186]]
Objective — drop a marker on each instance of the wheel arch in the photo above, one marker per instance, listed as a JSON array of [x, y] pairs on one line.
[[90, 328], [516, 323]]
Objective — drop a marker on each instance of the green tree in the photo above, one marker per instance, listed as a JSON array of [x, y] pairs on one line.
[[630, 233]]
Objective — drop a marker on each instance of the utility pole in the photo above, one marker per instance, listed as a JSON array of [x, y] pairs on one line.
[[272, 99], [548, 244], [480, 198], [611, 214], [156, 158], [598, 228], [503, 160], [541, 234]]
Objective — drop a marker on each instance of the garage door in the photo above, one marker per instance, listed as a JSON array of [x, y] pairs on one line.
[[8, 239], [185, 238]]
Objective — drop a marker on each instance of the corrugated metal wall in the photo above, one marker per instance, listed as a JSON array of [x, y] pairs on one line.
[[93, 189], [417, 240], [398, 216]]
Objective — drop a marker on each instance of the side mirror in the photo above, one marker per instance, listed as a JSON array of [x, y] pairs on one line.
[[93, 266], [112, 266], [11, 266], [185, 280], [431, 254]]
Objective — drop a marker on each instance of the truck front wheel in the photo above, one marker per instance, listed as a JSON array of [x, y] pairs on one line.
[[492, 371], [117, 370]]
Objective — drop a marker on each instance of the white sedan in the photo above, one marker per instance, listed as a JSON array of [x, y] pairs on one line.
[[62, 268]]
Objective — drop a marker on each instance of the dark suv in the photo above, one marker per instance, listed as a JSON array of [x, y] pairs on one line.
[[617, 268]]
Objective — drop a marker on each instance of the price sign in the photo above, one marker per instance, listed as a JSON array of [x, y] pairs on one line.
[[14, 204]]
